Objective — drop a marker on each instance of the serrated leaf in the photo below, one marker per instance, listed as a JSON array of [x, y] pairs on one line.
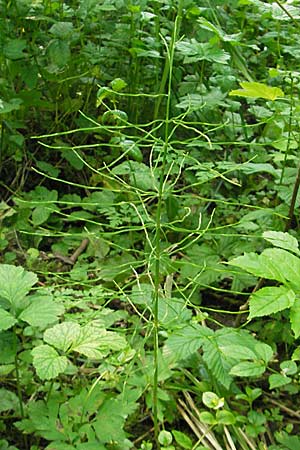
[[62, 335], [270, 300], [248, 369], [282, 240], [288, 264], [96, 343], [15, 283], [7, 320], [277, 380], [183, 343], [238, 352], [260, 266], [47, 362], [42, 311], [251, 89]]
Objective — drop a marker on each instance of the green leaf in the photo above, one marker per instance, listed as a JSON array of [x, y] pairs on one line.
[[182, 439], [289, 265], [282, 240], [42, 311], [295, 317], [270, 300], [225, 418], [276, 380], [251, 89], [7, 320], [62, 30], [14, 48], [110, 421], [185, 342], [47, 362], [212, 400], [8, 400], [40, 215], [15, 283], [59, 53], [62, 335], [259, 266], [288, 367], [96, 343], [8, 347], [248, 369], [207, 417]]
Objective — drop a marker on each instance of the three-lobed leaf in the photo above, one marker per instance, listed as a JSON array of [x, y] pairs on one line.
[[47, 362], [252, 89]]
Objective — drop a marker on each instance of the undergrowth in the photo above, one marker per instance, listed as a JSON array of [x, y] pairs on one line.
[[149, 277]]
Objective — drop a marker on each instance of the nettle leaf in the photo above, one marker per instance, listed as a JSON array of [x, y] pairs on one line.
[[270, 300], [15, 283], [42, 311], [7, 320], [282, 240], [62, 335], [47, 362], [253, 89]]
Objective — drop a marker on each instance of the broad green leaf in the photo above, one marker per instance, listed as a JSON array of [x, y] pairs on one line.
[[13, 104], [207, 417], [263, 351], [288, 367], [15, 283], [270, 300], [40, 214], [8, 401], [194, 51], [110, 421], [185, 342], [47, 362], [182, 439], [14, 48], [96, 343], [62, 30], [259, 265], [253, 89], [248, 369], [238, 352], [295, 317], [7, 320], [59, 53], [276, 380], [282, 240], [59, 445], [42, 311], [225, 418], [62, 335], [289, 264]]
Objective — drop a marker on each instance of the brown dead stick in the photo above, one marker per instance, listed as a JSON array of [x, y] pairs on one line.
[[73, 258]]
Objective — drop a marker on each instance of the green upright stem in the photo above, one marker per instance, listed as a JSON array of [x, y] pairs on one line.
[[158, 233]]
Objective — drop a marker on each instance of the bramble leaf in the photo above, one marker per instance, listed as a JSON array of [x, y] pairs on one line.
[[270, 300]]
